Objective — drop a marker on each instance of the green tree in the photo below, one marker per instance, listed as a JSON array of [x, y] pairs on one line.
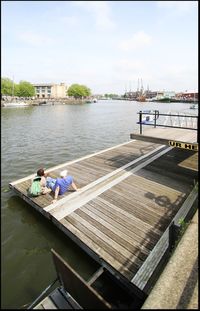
[[7, 86], [78, 91], [111, 95], [25, 89]]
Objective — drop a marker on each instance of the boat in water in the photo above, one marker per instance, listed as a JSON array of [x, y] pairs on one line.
[[15, 104], [91, 100], [194, 106], [148, 117], [141, 98]]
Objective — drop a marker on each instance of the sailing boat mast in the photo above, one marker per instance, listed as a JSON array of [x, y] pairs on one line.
[[141, 90], [138, 85]]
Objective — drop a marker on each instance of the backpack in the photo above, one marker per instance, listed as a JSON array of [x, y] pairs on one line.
[[35, 188]]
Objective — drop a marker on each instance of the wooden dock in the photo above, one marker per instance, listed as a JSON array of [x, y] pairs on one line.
[[129, 197]]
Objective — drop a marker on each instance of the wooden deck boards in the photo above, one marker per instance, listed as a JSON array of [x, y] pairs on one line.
[[90, 169], [129, 211], [120, 215], [163, 135]]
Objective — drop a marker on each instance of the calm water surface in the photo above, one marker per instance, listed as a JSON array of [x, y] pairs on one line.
[[46, 136]]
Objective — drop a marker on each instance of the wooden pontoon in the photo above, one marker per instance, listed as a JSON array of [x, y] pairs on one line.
[[125, 215]]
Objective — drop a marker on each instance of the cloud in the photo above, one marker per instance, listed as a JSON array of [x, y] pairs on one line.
[[69, 20], [125, 65], [129, 71], [181, 6], [101, 12], [138, 40], [35, 39]]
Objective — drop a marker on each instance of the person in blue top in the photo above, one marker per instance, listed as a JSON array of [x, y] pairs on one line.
[[60, 185]]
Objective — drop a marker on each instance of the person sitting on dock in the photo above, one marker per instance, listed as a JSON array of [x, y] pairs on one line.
[[38, 184], [62, 184], [42, 175]]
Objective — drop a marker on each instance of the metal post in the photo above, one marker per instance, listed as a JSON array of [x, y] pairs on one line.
[[155, 117], [140, 121], [171, 236]]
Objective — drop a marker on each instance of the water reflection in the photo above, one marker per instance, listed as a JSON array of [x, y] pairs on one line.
[[22, 209]]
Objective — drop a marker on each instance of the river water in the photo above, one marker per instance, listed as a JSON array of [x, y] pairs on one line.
[[45, 136]]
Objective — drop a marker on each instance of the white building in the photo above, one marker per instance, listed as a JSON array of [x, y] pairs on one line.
[[48, 90]]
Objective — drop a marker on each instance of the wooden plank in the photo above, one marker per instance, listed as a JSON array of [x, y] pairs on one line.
[[145, 277], [65, 165], [112, 232], [152, 139], [100, 248], [132, 221], [138, 215], [172, 163], [163, 135], [61, 209], [181, 175], [119, 233], [43, 205], [40, 307], [86, 296], [191, 162], [130, 194], [140, 207], [91, 171], [155, 198], [135, 181], [116, 226], [148, 198], [54, 171], [119, 223], [104, 239], [48, 304], [123, 221], [186, 210]]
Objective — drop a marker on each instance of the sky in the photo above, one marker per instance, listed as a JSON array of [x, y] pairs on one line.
[[108, 46]]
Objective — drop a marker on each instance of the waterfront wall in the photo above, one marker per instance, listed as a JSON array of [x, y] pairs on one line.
[[38, 102]]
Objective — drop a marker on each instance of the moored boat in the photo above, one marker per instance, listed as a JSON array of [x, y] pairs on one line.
[[163, 99], [148, 117], [141, 98], [91, 100], [15, 104], [194, 106]]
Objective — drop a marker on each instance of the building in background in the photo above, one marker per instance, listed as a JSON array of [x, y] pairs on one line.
[[48, 90], [191, 96]]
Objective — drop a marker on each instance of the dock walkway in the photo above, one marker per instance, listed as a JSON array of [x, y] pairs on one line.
[[129, 195]]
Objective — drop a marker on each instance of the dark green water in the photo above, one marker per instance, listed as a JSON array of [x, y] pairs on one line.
[[46, 136]]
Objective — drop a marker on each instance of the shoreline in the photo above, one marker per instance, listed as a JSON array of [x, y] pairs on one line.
[[44, 102]]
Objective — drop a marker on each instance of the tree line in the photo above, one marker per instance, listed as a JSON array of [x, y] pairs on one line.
[[26, 89]]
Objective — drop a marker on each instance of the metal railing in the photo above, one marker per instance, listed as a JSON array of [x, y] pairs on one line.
[[184, 121]]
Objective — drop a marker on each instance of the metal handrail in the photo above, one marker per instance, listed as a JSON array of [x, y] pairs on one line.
[[157, 114]]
